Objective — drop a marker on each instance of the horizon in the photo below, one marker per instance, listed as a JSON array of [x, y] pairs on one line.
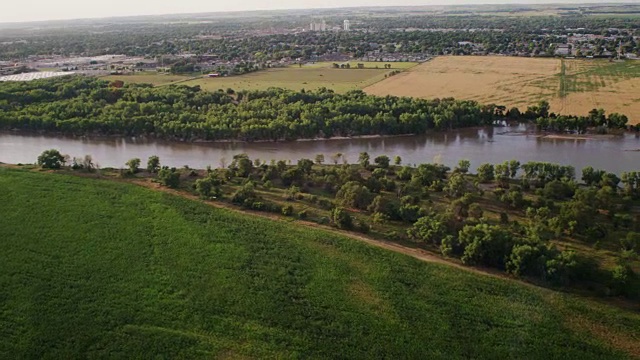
[[79, 10]]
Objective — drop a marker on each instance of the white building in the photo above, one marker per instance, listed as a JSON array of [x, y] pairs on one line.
[[347, 25], [322, 26]]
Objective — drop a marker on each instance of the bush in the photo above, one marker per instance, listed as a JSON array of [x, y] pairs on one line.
[[363, 227], [341, 218], [526, 259], [246, 192], [153, 164], [287, 210], [169, 177], [621, 280], [303, 214], [133, 165], [485, 244], [51, 159], [354, 195], [428, 229], [563, 268]]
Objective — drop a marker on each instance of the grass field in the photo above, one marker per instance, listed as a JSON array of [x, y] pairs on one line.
[[310, 77], [101, 269], [154, 78], [571, 86]]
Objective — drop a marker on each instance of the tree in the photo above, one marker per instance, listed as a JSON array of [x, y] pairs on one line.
[[153, 164], [51, 159], [354, 195], [397, 160], [134, 165], [590, 176], [87, 163], [562, 268], [203, 188], [485, 244], [475, 211], [341, 218], [527, 259], [514, 166], [631, 242], [209, 187], [463, 166], [363, 159], [319, 159], [382, 205], [169, 177], [382, 161], [242, 165], [502, 173], [305, 165], [428, 229], [621, 279], [456, 186], [336, 158], [486, 173]]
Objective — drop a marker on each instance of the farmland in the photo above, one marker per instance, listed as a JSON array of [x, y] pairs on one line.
[[571, 86], [309, 77], [153, 78], [111, 270]]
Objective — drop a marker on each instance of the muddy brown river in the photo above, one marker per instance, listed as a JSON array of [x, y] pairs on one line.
[[615, 154]]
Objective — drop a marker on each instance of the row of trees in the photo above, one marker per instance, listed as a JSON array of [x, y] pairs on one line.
[[510, 216], [90, 106]]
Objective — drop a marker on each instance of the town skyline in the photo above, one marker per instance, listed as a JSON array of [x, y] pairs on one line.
[[40, 10]]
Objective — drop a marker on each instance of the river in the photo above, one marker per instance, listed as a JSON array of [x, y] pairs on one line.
[[492, 145]]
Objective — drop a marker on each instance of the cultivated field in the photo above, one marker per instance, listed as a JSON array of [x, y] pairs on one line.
[[153, 78], [571, 86], [308, 77], [100, 269]]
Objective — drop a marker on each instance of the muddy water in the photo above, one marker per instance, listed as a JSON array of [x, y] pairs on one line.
[[478, 145]]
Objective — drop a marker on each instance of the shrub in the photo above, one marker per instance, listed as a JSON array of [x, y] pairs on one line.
[[341, 218], [51, 159], [169, 177], [287, 210]]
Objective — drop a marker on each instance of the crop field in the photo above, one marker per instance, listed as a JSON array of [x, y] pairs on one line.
[[153, 78], [309, 77], [102, 269], [571, 86]]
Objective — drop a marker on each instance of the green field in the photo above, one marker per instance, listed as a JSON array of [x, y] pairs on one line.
[[310, 77], [101, 269], [153, 78]]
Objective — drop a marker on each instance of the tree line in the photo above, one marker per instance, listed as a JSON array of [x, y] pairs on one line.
[[86, 106], [521, 218]]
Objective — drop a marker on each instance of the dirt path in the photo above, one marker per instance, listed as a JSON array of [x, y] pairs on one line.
[[419, 254]]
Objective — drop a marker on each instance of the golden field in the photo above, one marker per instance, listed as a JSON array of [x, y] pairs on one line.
[[571, 86]]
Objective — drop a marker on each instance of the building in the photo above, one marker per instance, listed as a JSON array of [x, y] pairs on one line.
[[321, 26], [563, 49], [347, 25]]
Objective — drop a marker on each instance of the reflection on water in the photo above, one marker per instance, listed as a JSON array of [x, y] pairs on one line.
[[478, 145]]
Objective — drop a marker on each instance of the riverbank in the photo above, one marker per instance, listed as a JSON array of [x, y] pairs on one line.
[[377, 236]]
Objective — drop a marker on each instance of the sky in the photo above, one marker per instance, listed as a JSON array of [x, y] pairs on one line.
[[37, 10]]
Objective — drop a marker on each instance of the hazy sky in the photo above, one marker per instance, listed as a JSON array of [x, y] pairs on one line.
[[35, 10]]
